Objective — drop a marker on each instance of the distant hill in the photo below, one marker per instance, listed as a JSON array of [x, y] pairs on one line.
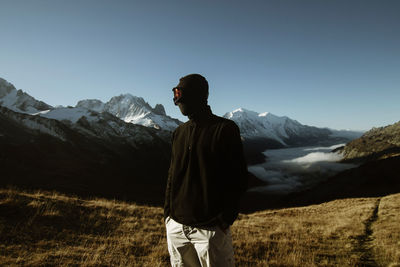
[[378, 143]]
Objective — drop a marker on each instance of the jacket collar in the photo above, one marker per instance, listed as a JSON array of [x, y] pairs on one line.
[[204, 115]]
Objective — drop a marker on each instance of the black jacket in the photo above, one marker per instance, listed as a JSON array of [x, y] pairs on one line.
[[208, 172]]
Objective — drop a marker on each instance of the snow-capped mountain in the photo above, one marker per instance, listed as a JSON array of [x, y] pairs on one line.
[[131, 109], [267, 125], [263, 129], [18, 100], [134, 110], [253, 124], [88, 124], [69, 114]]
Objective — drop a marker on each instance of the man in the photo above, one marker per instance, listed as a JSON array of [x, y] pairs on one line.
[[206, 178]]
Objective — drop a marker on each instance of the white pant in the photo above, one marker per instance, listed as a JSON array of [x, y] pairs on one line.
[[199, 246]]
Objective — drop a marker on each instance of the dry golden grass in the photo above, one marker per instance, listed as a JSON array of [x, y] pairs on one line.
[[386, 232], [318, 235], [50, 229]]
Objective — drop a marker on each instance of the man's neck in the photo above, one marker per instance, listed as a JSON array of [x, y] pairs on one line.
[[202, 114]]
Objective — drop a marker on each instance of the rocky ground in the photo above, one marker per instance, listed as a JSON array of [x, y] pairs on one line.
[[378, 143]]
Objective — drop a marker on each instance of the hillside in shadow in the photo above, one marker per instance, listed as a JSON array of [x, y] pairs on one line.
[[81, 164]]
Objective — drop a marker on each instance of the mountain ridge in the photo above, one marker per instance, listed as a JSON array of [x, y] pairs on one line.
[[86, 149], [18, 100], [130, 109], [260, 131], [133, 109], [377, 143], [283, 129], [264, 129]]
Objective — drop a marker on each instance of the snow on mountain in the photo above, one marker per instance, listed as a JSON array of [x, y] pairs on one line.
[[61, 122], [36, 124], [69, 114], [128, 108], [92, 104], [18, 100], [102, 125], [253, 124], [134, 110], [106, 126], [286, 131], [89, 118]]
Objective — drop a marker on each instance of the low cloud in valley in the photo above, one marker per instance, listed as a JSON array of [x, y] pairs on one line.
[[294, 169]]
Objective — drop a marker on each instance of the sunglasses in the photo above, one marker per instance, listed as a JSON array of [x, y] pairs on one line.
[[177, 94]]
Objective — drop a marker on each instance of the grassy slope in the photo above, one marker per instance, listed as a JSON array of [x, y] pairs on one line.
[[42, 228], [386, 232]]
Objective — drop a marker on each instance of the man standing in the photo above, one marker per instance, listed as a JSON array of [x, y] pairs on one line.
[[206, 178]]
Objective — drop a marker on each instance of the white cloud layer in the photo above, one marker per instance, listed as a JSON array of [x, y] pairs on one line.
[[317, 157], [293, 169]]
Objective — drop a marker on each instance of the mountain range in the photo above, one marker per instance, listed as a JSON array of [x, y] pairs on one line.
[[261, 131], [121, 147], [18, 100], [273, 130], [79, 150], [134, 110]]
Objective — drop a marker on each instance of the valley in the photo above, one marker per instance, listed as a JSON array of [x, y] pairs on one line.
[[84, 186]]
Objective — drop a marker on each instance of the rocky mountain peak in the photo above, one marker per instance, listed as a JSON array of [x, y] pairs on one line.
[[18, 100], [92, 104], [159, 109], [133, 109], [5, 87]]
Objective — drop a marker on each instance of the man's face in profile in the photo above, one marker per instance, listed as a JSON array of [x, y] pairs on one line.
[[190, 99], [187, 103]]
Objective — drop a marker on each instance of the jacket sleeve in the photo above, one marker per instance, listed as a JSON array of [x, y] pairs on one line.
[[236, 175], [169, 180]]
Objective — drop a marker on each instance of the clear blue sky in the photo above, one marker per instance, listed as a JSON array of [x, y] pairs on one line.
[[330, 63]]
